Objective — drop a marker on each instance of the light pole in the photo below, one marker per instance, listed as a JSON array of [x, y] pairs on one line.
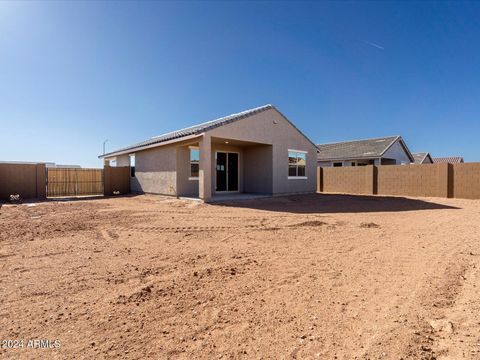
[[104, 146]]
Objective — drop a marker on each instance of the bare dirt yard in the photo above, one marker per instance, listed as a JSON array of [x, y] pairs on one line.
[[304, 277]]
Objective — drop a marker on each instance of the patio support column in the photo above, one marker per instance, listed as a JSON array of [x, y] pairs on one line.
[[205, 168]]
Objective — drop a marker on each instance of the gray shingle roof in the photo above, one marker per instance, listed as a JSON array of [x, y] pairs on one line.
[[199, 129], [421, 156], [193, 130], [448, 160], [358, 149]]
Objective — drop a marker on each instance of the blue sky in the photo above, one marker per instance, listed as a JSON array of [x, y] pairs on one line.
[[75, 73]]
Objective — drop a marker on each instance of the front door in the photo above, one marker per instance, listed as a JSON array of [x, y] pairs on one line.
[[227, 171]]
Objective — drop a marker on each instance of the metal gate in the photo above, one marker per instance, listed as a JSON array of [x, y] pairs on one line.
[[74, 182]]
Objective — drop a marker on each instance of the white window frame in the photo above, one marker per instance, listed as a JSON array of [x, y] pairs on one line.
[[298, 177], [190, 148]]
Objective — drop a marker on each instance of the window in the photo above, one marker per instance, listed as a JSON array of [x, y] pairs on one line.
[[132, 165], [337, 164], [194, 163], [296, 164]]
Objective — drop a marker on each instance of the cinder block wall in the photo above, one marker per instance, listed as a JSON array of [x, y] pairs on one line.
[[27, 180], [354, 180], [413, 180], [466, 180], [427, 180]]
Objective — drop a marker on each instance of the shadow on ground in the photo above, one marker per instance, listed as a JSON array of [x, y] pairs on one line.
[[337, 203]]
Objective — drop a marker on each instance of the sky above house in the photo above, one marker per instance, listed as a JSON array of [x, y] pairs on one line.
[[73, 74]]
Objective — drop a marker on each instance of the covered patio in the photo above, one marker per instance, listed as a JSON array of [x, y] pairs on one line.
[[224, 169]]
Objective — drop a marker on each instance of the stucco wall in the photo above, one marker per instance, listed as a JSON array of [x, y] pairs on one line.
[[269, 127], [258, 169], [122, 160], [185, 186], [398, 153], [155, 171]]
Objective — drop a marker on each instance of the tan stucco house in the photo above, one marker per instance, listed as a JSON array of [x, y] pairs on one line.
[[258, 151]]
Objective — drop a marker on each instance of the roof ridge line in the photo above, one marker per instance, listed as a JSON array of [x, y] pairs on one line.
[[349, 141], [214, 120]]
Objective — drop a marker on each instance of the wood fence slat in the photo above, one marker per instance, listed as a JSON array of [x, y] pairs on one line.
[[74, 182]]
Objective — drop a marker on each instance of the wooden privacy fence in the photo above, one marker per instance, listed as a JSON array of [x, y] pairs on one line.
[[428, 180], [34, 180], [74, 182]]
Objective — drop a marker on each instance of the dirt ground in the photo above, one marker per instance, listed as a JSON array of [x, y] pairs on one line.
[[304, 277]]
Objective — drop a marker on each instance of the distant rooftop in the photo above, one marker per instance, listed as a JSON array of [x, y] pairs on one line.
[[448, 160], [420, 157], [357, 149]]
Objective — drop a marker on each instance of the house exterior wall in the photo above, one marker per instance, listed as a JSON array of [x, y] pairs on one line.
[[397, 152], [258, 169], [122, 160], [325, 163], [269, 127], [156, 171], [263, 168], [185, 185]]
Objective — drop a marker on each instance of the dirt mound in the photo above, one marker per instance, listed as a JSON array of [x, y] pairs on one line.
[[309, 223], [369, 225]]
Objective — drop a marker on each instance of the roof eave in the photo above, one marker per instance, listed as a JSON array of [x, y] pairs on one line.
[[145, 147]]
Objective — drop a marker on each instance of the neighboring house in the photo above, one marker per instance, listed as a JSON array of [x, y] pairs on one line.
[[448, 160], [59, 166], [255, 151], [423, 158], [47, 164], [379, 151]]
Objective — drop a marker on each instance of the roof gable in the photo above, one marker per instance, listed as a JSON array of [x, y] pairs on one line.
[[421, 157]]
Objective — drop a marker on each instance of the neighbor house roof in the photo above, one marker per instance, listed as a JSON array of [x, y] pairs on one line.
[[359, 149], [196, 130], [421, 156], [448, 160]]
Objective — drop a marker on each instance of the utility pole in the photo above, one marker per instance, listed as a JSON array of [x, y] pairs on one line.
[[104, 146]]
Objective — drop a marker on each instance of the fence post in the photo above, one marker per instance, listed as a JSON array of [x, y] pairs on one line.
[[41, 185], [443, 182], [371, 179], [451, 184], [319, 179], [106, 180]]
